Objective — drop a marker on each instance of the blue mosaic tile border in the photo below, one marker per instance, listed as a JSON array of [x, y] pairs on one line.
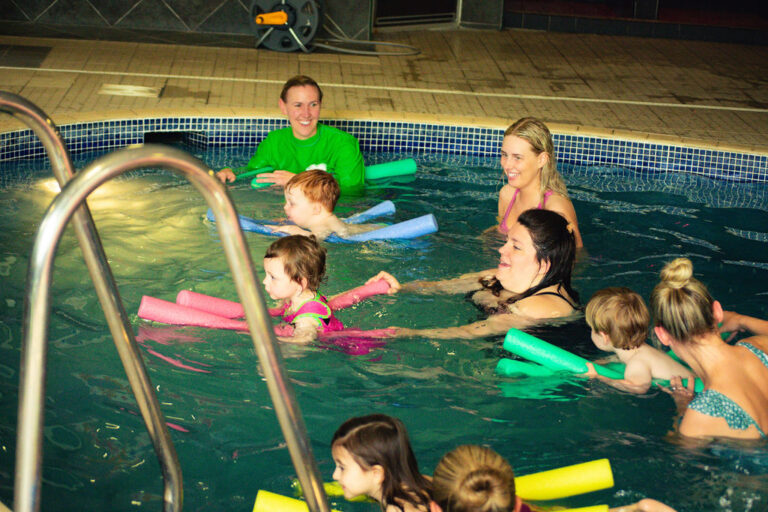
[[417, 138]]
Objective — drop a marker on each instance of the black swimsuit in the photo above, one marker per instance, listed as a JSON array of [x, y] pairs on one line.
[[557, 294]]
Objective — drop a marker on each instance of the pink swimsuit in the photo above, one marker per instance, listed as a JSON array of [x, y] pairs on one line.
[[503, 226], [316, 308]]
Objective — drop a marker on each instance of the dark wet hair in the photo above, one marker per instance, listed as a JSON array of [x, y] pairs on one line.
[[555, 243], [303, 258], [300, 81], [378, 439]]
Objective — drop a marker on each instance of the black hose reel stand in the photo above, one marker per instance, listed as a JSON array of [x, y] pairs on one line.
[[286, 25]]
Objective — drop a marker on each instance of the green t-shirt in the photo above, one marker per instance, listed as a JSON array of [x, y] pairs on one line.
[[330, 149]]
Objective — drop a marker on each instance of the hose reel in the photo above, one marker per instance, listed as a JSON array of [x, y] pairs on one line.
[[286, 25]]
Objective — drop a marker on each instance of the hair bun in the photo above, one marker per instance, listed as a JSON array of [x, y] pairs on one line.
[[677, 273]]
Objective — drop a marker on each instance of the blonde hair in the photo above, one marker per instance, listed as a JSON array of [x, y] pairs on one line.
[[536, 133], [621, 314], [681, 303], [318, 186], [474, 479]]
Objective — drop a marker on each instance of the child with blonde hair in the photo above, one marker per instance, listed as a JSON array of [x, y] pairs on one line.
[[619, 321], [310, 198], [373, 457]]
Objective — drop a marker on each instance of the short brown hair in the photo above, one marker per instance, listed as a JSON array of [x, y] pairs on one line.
[[303, 258], [621, 314], [318, 186], [300, 81]]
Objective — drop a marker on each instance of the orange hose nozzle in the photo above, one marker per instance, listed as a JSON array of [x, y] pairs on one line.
[[272, 18]]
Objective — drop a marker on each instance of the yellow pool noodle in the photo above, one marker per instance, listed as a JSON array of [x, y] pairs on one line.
[[593, 508], [543, 486], [563, 482], [270, 502]]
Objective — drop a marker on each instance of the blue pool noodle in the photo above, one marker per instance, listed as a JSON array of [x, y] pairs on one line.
[[413, 228], [381, 209]]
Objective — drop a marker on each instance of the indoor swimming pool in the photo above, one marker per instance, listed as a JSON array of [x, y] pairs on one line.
[[152, 224]]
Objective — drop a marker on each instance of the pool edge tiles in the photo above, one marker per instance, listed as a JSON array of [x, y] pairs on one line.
[[576, 147]]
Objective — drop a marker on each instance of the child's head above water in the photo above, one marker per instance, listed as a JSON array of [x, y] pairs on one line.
[[310, 190], [474, 479], [621, 314], [293, 263], [373, 456]]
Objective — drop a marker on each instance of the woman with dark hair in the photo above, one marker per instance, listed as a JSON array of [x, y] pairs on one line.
[[532, 282]]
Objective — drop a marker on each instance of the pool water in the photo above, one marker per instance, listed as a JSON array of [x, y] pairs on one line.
[[98, 455]]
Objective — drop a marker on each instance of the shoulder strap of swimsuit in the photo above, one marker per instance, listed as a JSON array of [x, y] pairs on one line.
[[556, 294], [503, 226], [315, 307], [759, 353], [544, 199]]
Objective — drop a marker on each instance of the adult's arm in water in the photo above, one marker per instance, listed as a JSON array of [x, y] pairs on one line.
[[492, 326], [462, 284]]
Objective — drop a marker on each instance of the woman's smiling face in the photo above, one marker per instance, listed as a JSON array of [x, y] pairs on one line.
[[520, 162], [519, 270]]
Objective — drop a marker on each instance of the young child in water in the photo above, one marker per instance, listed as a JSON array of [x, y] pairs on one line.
[[310, 198], [294, 267], [373, 457], [619, 320]]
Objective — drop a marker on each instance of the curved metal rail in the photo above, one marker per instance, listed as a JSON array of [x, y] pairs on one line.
[[38, 309], [28, 491]]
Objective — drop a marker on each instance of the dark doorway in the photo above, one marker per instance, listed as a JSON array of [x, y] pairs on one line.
[[408, 12]]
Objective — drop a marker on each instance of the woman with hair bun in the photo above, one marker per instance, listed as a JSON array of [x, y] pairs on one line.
[[477, 479], [734, 402]]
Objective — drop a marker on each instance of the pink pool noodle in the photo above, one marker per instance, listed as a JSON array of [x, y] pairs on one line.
[[355, 295], [214, 305], [159, 310], [229, 309]]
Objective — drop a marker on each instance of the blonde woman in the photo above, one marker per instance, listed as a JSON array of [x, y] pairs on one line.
[[528, 161], [734, 402]]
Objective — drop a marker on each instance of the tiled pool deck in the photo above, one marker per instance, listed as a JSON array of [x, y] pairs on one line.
[[676, 104]]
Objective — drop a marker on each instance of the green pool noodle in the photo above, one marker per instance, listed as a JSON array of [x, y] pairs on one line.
[[390, 169], [554, 358], [252, 172], [517, 367]]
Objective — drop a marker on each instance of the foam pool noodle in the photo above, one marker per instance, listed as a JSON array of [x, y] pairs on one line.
[[270, 502], [159, 310], [555, 358], [390, 169], [543, 486]]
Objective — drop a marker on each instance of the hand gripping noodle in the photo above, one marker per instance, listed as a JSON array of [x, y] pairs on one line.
[[555, 359]]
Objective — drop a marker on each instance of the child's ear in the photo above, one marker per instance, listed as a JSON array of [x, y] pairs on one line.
[[378, 474], [303, 283], [606, 340]]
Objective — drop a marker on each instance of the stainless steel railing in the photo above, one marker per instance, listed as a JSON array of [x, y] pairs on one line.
[[27, 486], [37, 312]]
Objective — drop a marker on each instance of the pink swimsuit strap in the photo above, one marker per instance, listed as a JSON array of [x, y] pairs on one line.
[[503, 226]]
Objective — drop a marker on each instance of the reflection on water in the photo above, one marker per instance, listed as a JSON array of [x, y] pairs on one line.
[[214, 397]]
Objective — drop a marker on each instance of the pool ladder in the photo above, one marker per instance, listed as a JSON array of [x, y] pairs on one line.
[[70, 204]]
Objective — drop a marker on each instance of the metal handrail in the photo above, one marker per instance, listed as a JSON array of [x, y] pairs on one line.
[[28, 490], [236, 250]]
